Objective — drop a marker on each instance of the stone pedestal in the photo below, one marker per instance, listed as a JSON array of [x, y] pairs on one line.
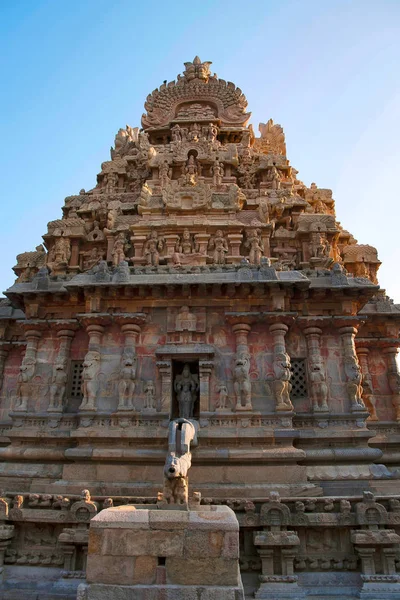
[[137, 554]]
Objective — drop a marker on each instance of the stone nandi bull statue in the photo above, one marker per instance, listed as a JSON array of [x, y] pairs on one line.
[[182, 432]]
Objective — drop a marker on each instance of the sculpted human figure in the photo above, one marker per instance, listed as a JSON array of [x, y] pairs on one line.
[[219, 245], [281, 384], [218, 172], [368, 396], [58, 385], [319, 388], [126, 384], [152, 249], [319, 245], [255, 245], [90, 382], [186, 387], [118, 251], [185, 245], [354, 382], [212, 132], [164, 173], [110, 182], [185, 320], [274, 177], [61, 252], [24, 382], [149, 396], [223, 397], [176, 133], [242, 384], [92, 258], [191, 170]]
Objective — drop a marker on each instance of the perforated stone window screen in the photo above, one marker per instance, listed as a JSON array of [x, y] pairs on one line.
[[75, 379], [298, 378]]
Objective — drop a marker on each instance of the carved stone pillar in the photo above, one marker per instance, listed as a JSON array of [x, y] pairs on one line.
[[65, 333], [316, 370], [28, 367], [393, 376], [170, 244], [352, 369], [205, 370], [367, 560], [110, 246], [74, 260], [202, 240], [368, 394], [165, 370], [281, 368], [235, 241], [138, 242]]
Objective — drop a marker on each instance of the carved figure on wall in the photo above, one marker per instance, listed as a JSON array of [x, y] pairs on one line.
[[127, 384], [354, 381], [274, 177], [185, 320], [247, 169], [281, 384], [319, 246], [58, 385], [394, 384], [90, 382], [319, 388], [218, 172], [61, 251], [185, 244], [118, 251], [191, 170], [242, 383], [164, 173], [24, 382], [92, 258], [176, 133], [186, 387], [255, 245], [149, 396], [223, 398], [194, 133], [110, 182], [219, 245], [368, 396], [212, 132], [152, 248]]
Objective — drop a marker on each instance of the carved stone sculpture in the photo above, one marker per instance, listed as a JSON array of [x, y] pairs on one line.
[[149, 397], [281, 383], [354, 382], [58, 385], [127, 384], [218, 172], [223, 398], [186, 387], [90, 382], [242, 383], [274, 178], [118, 251], [255, 245], [24, 383], [219, 245], [179, 460], [152, 248], [319, 388]]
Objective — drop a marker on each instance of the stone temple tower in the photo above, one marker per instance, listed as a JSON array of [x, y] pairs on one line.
[[200, 278]]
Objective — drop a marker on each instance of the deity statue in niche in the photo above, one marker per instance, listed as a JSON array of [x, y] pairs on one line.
[[281, 384], [354, 382], [24, 382], [186, 250], [110, 182], [219, 245], [191, 171], [152, 248], [186, 387], [90, 384], [118, 251], [185, 320], [274, 178], [319, 388], [164, 173], [149, 397], [218, 172], [255, 245], [319, 246], [176, 133], [223, 398], [185, 245]]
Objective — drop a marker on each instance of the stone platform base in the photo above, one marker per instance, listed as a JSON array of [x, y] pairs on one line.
[[161, 554], [158, 592]]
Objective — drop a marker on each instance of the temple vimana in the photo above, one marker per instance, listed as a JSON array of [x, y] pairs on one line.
[[200, 307]]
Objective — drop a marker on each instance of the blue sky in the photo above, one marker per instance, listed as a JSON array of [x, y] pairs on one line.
[[74, 72]]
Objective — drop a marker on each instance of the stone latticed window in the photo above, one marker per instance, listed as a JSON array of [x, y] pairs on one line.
[[185, 278], [75, 379], [298, 378]]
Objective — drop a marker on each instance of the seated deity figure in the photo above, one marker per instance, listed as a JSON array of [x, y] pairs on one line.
[[186, 251], [186, 387]]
